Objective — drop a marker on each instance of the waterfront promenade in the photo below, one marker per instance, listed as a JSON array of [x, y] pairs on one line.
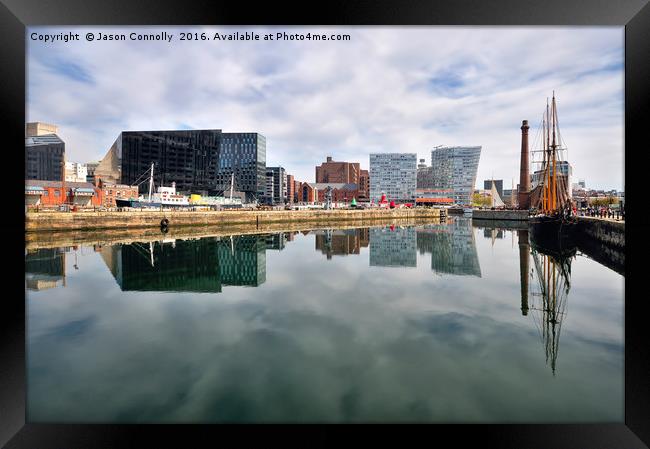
[[83, 221]]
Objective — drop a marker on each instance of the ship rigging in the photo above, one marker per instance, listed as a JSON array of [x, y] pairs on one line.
[[553, 222], [549, 300]]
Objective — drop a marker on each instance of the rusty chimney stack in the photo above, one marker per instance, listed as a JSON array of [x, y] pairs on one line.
[[524, 172]]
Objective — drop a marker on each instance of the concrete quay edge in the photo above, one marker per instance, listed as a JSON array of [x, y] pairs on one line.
[[78, 221]]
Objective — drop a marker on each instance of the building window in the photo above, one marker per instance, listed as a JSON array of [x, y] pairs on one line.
[[56, 193]]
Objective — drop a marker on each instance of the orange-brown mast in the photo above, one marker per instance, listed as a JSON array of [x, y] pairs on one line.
[[554, 154], [546, 161]]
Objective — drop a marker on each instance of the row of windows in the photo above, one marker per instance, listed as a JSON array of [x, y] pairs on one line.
[[47, 193]]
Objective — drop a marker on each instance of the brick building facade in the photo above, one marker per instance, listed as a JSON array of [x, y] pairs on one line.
[[291, 193], [111, 191], [311, 192], [338, 172], [55, 193]]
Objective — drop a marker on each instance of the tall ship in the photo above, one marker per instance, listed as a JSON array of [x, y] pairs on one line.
[[163, 197], [553, 223]]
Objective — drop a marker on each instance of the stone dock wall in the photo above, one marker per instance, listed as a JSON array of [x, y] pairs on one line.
[[611, 233], [83, 221], [54, 239], [603, 241], [488, 214]]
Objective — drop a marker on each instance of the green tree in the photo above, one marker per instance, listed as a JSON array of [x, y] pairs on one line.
[[479, 200], [603, 201]]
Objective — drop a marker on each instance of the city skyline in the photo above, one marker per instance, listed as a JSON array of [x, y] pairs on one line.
[[388, 89]]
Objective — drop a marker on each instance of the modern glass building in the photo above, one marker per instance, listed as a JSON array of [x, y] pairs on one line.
[[425, 177], [276, 185], [44, 157], [198, 161], [393, 174], [243, 154], [455, 168]]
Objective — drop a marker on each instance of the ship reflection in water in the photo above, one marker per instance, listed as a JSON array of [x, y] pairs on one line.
[[548, 290], [429, 323], [550, 300]]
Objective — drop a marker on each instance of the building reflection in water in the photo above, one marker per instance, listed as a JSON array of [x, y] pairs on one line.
[[452, 247], [493, 233], [242, 260], [277, 241], [200, 265], [208, 264], [45, 268], [341, 242], [393, 246]]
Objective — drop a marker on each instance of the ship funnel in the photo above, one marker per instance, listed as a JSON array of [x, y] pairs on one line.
[[524, 171]]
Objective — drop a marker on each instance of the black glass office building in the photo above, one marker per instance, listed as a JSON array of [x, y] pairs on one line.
[[198, 161], [188, 158], [243, 154], [44, 156]]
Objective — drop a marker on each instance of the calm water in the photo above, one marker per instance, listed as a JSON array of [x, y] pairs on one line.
[[435, 323]]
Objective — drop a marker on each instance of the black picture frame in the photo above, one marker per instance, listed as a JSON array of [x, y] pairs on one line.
[[15, 15]]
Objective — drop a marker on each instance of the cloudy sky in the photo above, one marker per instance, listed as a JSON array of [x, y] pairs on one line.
[[387, 89]]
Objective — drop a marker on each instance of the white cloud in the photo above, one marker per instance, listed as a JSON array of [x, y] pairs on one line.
[[402, 89]]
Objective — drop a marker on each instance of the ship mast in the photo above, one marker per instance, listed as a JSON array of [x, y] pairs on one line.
[[554, 155], [151, 182], [545, 161]]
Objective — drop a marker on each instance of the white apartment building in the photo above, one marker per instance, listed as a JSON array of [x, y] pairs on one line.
[[75, 172], [393, 174]]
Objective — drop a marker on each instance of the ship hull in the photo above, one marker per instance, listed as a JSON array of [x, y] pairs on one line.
[[147, 204], [553, 235]]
